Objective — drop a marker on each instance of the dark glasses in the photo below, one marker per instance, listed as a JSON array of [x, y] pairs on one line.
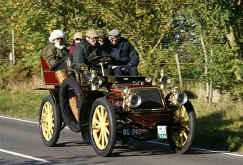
[[59, 38], [101, 39], [93, 38], [77, 39]]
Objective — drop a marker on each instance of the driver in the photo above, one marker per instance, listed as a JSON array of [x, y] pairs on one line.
[[124, 57], [86, 49]]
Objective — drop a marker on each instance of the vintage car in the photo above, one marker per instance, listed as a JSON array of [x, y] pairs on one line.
[[106, 108]]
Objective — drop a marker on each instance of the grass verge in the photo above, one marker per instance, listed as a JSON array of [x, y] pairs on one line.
[[20, 104], [220, 126]]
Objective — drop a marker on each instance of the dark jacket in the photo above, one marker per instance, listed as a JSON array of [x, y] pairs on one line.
[[82, 53], [123, 53], [104, 49], [56, 58]]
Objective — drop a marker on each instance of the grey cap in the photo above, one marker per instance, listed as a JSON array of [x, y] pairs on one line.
[[114, 32]]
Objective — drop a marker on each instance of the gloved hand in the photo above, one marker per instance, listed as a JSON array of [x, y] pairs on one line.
[[68, 62], [83, 67], [125, 67]]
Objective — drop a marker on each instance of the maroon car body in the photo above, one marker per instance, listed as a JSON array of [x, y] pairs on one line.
[[112, 109]]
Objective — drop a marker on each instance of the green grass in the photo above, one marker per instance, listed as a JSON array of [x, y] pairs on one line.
[[20, 104], [220, 126]]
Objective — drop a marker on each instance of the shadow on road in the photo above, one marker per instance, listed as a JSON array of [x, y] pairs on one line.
[[72, 144], [140, 148]]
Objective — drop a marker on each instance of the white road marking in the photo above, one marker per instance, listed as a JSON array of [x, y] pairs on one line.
[[18, 154], [26, 121], [23, 156], [202, 150], [12, 118], [197, 149], [222, 152]]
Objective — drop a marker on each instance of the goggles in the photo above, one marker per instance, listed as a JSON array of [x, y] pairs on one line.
[[114, 38], [93, 38], [59, 39]]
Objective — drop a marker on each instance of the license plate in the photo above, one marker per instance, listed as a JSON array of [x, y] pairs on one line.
[[129, 132], [162, 131]]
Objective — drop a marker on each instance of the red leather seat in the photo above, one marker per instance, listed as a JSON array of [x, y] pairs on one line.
[[49, 76]]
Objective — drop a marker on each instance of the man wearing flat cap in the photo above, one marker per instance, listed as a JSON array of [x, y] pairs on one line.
[[85, 49], [124, 56]]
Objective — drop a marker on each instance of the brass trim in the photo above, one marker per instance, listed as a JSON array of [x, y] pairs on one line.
[[61, 75], [146, 110], [132, 91]]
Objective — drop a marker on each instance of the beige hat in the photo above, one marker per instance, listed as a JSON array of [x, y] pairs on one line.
[[101, 33], [91, 33], [78, 35]]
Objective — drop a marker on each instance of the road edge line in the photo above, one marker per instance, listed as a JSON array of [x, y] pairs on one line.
[[12, 118], [204, 150], [23, 156]]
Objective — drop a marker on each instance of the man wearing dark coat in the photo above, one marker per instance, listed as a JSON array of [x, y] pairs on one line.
[[124, 57], [86, 49]]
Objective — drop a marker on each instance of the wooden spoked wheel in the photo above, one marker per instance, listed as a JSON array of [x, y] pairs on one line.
[[49, 121], [100, 124], [102, 127], [182, 128]]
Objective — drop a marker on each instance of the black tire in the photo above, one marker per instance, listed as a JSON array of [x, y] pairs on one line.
[[67, 115], [108, 139], [122, 140], [85, 134], [49, 129], [182, 126]]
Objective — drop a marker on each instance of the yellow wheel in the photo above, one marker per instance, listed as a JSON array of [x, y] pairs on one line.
[[182, 128], [49, 121], [102, 127]]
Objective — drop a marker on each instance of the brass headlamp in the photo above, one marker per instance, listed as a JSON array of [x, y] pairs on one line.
[[95, 80], [131, 99]]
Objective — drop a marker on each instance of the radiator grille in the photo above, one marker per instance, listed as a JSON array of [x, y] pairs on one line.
[[151, 98]]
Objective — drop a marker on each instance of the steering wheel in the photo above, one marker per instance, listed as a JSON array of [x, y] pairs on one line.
[[100, 59]]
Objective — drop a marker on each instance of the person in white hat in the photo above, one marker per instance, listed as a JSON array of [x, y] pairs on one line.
[[55, 52], [85, 49], [124, 57]]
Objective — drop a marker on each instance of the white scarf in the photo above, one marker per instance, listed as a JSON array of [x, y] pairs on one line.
[[57, 45]]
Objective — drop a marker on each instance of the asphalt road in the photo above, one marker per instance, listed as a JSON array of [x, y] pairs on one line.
[[20, 144]]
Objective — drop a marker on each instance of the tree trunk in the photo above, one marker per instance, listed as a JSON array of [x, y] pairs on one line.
[[178, 69], [13, 48], [205, 66], [210, 98], [231, 38]]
